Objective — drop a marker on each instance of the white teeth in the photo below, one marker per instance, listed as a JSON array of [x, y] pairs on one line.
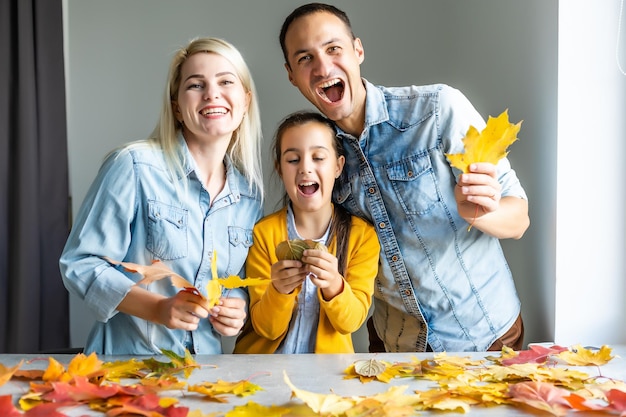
[[330, 83], [212, 111], [306, 184]]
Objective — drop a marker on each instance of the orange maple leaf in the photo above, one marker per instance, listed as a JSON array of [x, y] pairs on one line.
[[489, 145], [7, 373]]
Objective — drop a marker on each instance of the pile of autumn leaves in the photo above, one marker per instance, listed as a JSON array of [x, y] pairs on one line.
[[527, 379]]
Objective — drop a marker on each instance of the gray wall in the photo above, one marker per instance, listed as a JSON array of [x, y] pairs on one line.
[[501, 53]]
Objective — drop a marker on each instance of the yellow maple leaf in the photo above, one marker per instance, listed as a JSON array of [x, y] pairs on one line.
[[441, 399], [83, 365], [580, 356], [214, 390], [235, 281], [252, 409], [320, 403], [489, 145]]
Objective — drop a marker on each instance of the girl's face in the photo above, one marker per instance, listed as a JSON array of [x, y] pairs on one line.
[[309, 165], [211, 99]]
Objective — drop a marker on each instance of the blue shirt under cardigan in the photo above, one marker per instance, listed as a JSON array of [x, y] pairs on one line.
[[133, 212]]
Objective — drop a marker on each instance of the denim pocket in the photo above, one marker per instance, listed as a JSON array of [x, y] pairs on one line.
[[413, 182], [240, 240], [167, 231], [343, 195]]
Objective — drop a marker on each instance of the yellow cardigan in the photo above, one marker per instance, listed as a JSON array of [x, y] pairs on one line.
[[271, 311]]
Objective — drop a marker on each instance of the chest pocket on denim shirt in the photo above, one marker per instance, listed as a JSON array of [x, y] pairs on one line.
[[413, 181], [167, 231], [240, 241]]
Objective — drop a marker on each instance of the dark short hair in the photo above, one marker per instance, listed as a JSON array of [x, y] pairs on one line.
[[299, 118], [305, 10]]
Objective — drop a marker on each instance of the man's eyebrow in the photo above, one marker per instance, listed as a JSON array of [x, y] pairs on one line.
[[305, 50]]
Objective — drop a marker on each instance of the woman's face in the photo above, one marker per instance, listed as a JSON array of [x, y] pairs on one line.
[[309, 165], [211, 99]]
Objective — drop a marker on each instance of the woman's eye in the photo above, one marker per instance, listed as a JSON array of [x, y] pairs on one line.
[[194, 86]]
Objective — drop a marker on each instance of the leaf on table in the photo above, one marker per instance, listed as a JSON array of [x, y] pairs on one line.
[[320, 403], [131, 368], [369, 367], [489, 145], [185, 363], [534, 354], [252, 409], [580, 356], [542, 396], [83, 365], [147, 405], [55, 371], [79, 390], [444, 400], [6, 373], [214, 390], [7, 408], [390, 372]]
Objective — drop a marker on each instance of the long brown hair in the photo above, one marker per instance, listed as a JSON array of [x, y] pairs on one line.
[[341, 221]]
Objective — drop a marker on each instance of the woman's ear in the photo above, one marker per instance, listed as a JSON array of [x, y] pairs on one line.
[[176, 111]]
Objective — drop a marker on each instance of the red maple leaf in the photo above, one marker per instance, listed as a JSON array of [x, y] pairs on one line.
[[535, 354]]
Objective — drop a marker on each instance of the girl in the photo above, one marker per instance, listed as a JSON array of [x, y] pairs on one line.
[[313, 304]]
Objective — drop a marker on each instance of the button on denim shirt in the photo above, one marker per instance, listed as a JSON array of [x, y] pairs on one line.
[[438, 282], [133, 212]]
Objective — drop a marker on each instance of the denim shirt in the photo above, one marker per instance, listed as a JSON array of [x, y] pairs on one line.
[[133, 212], [438, 282]]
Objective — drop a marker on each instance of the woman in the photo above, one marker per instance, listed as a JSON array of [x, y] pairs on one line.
[[194, 188]]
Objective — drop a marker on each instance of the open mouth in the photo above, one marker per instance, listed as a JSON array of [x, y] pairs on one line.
[[331, 91], [308, 188]]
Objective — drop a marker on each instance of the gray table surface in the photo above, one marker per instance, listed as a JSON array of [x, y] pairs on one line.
[[319, 373]]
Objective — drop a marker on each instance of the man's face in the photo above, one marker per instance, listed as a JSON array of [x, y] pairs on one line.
[[324, 63]]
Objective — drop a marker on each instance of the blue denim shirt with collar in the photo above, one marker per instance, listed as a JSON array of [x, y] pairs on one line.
[[438, 282], [133, 212]]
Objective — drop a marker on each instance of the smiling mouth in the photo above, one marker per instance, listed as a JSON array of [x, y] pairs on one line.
[[331, 91], [308, 188], [210, 112]]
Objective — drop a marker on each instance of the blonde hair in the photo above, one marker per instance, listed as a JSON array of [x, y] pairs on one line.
[[244, 149]]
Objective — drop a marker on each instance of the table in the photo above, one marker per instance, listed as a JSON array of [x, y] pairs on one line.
[[317, 373]]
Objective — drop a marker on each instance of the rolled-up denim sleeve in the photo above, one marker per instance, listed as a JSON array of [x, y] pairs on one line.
[[102, 228]]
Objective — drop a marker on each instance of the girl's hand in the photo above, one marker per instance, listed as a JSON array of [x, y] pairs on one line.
[[228, 316], [287, 275], [322, 268]]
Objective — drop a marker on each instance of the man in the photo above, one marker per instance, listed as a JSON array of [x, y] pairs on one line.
[[443, 282]]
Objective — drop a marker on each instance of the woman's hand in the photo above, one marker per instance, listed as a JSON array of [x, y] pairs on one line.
[[182, 311]]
